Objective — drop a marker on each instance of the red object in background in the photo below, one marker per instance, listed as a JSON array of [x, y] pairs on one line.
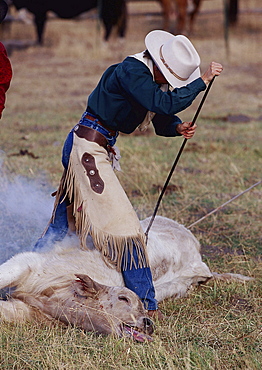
[[5, 76]]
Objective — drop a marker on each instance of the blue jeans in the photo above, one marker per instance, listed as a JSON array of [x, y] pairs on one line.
[[139, 280]]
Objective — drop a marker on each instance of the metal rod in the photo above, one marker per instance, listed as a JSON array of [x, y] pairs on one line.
[[177, 159]]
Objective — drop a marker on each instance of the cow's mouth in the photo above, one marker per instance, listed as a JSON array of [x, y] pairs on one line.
[[135, 333]]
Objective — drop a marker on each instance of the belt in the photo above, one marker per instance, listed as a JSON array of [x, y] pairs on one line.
[[90, 134], [91, 118]]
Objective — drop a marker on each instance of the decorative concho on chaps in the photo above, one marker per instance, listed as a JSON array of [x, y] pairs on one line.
[[101, 207], [96, 183]]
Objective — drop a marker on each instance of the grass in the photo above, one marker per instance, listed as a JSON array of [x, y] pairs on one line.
[[216, 328], [219, 325]]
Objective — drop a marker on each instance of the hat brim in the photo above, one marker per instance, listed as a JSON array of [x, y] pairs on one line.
[[153, 41]]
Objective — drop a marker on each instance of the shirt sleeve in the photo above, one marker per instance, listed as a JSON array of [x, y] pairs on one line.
[[137, 80], [5, 76], [166, 125]]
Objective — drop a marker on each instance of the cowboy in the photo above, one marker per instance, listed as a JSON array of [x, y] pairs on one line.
[[90, 199], [5, 65]]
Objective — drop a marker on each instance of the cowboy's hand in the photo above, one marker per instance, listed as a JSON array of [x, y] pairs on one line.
[[186, 130], [214, 69]]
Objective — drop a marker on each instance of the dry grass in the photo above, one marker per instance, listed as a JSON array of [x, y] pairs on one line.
[[219, 326]]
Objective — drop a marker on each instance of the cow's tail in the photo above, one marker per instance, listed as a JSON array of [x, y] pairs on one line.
[[231, 277]]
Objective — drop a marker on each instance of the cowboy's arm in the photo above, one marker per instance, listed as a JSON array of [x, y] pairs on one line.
[[173, 126], [166, 125], [137, 81]]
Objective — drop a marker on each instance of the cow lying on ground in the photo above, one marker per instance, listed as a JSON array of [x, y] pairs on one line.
[[76, 286], [112, 12]]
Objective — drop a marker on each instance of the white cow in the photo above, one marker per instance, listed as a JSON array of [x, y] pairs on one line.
[[65, 283]]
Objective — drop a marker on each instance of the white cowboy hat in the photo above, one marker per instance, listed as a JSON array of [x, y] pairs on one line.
[[175, 56]]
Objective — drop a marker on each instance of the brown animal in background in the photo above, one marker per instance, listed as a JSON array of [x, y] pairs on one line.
[[184, 9]]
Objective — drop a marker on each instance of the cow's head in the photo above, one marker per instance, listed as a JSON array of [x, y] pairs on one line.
[[106, 310]]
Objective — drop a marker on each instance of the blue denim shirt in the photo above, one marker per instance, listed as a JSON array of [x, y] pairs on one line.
[[127, 91]]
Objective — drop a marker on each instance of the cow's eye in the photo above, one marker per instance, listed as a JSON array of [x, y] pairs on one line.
[[123, 298]]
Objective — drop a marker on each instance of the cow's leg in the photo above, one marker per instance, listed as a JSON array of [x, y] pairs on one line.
[[233, 11], [181, 15], [108, 29], [13, 270], [122, 22], [14, 311], [40, 20], [193, 14], [167, 9]]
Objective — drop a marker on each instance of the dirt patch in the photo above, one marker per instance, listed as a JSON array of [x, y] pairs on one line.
[[239, 304], [23, 152], [233, 118], [212, 252]]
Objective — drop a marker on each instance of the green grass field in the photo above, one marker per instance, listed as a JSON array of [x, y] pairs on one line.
[[219, 325]]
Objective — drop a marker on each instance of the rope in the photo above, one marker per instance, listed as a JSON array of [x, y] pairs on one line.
[[224, 204]]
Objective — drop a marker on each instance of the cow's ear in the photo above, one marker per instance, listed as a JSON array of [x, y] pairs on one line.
[[87, 287]]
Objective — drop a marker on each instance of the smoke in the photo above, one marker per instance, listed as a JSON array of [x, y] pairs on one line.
[[25, 209]]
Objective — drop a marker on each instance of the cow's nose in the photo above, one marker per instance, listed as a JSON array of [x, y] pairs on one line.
[[148, 326]]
